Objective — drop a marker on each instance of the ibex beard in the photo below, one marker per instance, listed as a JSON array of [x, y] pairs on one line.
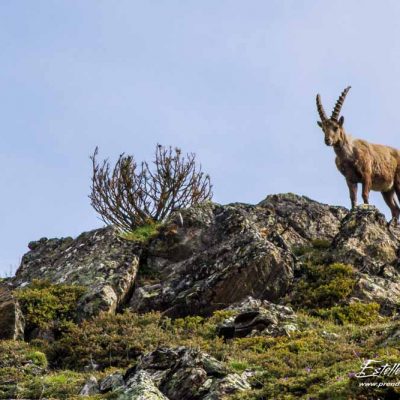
[[375, 166]]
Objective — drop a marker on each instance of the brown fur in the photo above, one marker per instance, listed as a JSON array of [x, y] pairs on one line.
[[375, 166]]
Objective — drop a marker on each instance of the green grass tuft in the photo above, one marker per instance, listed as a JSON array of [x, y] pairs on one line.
[[142, 233]]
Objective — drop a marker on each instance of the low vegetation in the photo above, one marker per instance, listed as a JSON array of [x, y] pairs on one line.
[[315, 252], [117, 340], [318, 361], [323, 285], [355, 313], [49, 307]]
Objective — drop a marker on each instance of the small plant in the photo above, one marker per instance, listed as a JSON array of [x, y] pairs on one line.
[[38, 358], [49, 306], [354, 313], [324, 285], [314, 252], [239, 366], [131, 195], [18, 353], [321, 244], [299, 251]]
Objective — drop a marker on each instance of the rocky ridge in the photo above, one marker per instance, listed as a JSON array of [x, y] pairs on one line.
[[245, 259], [208, 257]]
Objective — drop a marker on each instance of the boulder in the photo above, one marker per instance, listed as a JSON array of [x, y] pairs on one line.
[[12, 322], [91, 387], [371, 245], [366, 241], [111, 382], [230, 384], [258, 317], [140, 387], [99, 260], [217, 258], [299, 219], [184, 374], [210, 256], [378, 289]]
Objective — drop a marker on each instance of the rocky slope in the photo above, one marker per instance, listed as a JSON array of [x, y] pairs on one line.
[[208, 257], [98, 260], [240, 257]]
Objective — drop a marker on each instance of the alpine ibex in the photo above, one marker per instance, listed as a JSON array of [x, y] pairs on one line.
[[375, 166]]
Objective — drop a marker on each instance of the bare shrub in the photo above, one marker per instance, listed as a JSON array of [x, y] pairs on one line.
[[131, 195]]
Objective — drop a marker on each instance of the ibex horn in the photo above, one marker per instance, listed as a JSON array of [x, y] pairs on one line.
[[321, 110], [339, 104]]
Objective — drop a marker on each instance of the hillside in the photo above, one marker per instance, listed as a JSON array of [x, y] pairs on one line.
[[284, 299]]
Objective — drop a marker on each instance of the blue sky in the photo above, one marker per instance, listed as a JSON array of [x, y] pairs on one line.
[[233, 81]]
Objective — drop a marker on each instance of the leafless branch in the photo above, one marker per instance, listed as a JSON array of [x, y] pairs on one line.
[[129, 195]]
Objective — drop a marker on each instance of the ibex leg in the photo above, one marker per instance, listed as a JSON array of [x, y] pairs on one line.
[[353, 193], [391, 202], [366, 188]]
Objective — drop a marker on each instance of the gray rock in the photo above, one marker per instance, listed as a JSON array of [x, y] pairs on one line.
[[185, 374], [98, 260], [221, 254], [111, 382], [258, 317], [232, 383], [141, 387], [366, 241], [211, 256], [12, 321], [90, 387], [384, 291], [300, 219]]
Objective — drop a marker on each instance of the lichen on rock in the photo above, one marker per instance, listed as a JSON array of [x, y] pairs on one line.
[[258, 317], [12, 321], [185, 374], [99, 260]]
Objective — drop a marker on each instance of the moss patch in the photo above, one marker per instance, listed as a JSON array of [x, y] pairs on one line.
[[143, 233]]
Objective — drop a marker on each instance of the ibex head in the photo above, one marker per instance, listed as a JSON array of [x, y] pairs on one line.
[[333, 126]]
